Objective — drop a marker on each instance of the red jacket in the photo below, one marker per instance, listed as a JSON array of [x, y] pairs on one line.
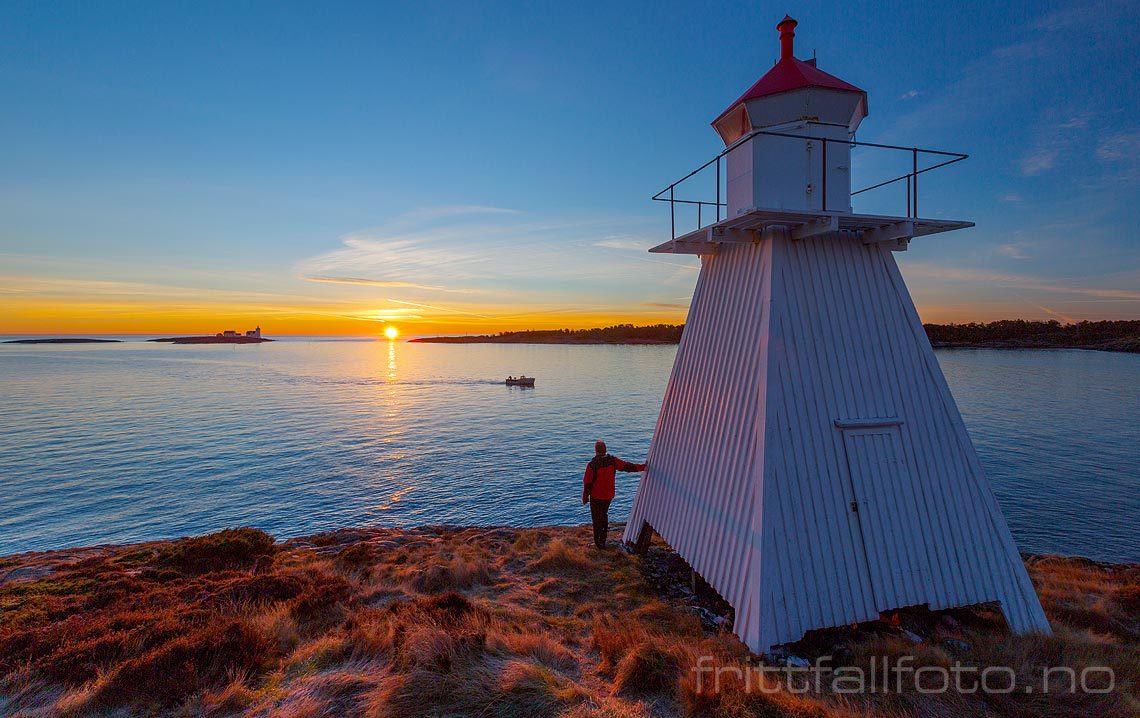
[[598, 483]]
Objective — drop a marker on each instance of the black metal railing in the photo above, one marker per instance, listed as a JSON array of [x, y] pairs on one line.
[[911, 178]]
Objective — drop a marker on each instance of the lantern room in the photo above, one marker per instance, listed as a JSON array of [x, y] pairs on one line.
[[787, 161], [778, 169]]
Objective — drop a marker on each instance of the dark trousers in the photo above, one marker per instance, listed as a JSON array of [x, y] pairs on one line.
[[600, 512]]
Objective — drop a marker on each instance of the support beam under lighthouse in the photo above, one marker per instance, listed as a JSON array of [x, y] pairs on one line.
[[809, 461]]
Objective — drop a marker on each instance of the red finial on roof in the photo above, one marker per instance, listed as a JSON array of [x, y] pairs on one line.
[[785, 76], [787, 28]]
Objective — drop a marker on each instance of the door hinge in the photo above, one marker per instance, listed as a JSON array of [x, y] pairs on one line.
[[854, 507]]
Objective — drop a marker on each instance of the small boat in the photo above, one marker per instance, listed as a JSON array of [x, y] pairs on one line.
[[520, 380]]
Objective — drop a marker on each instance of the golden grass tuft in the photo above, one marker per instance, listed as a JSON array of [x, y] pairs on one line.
[[612, 638], [529, 689], [456, 574], [232, 699], [539, 646], [317, 655], [562, 556]]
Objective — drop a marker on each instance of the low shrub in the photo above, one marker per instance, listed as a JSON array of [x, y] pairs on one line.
[[227, 549], [359, 557], [324, 603], [266, 588]]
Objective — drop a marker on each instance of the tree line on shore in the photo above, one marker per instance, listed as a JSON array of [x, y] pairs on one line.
[[1108, 335], [616, 334], [1012, 333]]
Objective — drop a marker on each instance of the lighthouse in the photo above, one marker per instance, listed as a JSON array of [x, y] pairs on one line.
[[809, 461]]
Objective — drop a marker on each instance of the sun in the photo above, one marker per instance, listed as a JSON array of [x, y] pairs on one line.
[[391, 332]]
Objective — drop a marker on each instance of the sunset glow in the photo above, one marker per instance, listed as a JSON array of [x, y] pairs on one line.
[[475, 232], [391, 332]]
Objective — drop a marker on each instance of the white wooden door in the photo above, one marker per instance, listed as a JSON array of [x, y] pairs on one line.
[[887, 507]]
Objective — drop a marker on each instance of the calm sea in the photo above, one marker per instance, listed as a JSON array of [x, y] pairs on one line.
[[132, 441]]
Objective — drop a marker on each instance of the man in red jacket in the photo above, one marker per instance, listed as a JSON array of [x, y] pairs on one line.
[[598, 488]]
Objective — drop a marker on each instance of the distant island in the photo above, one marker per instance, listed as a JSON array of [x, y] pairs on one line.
[[1118, 336], [215, 339], [62, 340], [229, 336]]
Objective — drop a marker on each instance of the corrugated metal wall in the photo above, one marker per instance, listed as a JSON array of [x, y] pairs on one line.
[[700, 490], [804, 382]]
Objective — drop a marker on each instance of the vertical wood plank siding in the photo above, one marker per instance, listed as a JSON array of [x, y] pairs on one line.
[[752, 473]]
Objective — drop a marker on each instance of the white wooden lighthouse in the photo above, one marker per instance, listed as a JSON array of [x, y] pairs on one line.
[[809, 461]]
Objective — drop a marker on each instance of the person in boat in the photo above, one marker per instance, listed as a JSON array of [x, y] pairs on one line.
[[598, 488]]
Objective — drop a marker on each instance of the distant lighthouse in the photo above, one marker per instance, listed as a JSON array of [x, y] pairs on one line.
[[809, 461]]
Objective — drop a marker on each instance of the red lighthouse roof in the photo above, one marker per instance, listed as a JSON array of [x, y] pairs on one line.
[[789, 74]]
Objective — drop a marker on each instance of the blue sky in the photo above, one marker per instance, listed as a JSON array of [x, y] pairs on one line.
[[451, 166]]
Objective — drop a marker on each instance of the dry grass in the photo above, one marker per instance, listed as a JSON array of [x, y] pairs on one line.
[[443, 621]]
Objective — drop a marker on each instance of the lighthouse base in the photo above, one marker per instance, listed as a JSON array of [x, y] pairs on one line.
[[809, 461]]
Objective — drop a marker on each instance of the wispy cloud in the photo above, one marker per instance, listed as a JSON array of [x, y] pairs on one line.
[[1051, 141], [1004, 77], [1066, 318], [445, 310], [626, 242], [429, 213], [1119, 153], [503, 260], [451, 249], [1015, 250], [79, 288], [1073, 17], [1018, 281], [1119, 147], [388, 314], [381, 283], [1038, 160]]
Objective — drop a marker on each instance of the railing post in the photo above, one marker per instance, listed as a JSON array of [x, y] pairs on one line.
[[823, 181], [699, 205], [672, 215], [718, 188], [908, 214], [914, 170]]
